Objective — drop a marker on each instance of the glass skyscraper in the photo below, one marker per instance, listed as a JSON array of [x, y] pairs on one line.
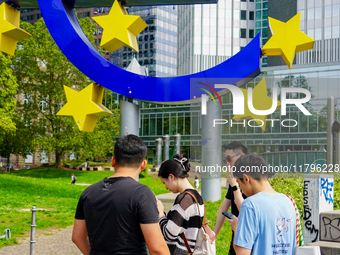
[[261, 24], [157, 42], [211, 33], [320, 20]]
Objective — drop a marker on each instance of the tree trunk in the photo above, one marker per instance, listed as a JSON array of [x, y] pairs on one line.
[[8, 158], [58, 160]]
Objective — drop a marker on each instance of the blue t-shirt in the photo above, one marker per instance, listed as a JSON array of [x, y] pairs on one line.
[[267, 225]]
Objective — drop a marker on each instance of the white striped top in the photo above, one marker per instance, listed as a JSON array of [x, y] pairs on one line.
[[183, 217]]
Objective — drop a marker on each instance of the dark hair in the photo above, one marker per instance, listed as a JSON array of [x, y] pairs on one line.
[[130, 151], [236, 146], [178, 166], [252, 165]]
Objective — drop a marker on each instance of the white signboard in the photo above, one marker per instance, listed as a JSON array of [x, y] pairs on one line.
[[29, 159], [43, 158]]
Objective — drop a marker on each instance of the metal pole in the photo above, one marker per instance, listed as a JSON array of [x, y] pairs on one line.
[[336, 130], [178, 144], [158, 153], [33, 226], [330, 136], [211, 153], [129, 119], [166, 147]]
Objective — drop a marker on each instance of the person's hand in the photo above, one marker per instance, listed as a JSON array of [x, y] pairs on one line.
[[231, 179], [160, 208], [213, 237], [233, 223]]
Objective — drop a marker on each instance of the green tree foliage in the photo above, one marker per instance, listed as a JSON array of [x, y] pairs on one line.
[[8, 90], [42, 70]]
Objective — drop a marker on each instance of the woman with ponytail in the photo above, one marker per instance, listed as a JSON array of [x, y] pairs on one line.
[[185, 217]]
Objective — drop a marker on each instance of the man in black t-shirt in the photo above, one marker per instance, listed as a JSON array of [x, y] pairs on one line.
[[234, 197], [118, 215]]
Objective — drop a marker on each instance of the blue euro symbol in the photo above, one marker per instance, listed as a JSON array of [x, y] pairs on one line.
[[64, 27]]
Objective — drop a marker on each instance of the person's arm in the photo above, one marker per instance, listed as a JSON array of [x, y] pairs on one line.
[[154, 239], [241, 250], [237, 193], [173, 224], [220, 217], [79, 236], [245, 228]]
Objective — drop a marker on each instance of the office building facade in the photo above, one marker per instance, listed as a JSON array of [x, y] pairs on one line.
[[304, 143], [157, 42], [210, 34]]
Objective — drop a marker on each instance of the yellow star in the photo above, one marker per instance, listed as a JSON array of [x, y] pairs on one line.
[[85, 106], [120, 28], [287, 40], [261, 101], [10, 31]]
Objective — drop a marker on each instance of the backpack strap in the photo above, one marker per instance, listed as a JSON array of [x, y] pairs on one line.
[[186, 243], [198, 206]]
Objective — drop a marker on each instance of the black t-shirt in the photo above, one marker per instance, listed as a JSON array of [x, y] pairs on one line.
[[234, 210], [113, 209]]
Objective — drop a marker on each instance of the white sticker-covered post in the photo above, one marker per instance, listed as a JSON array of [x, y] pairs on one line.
[[318, 194]]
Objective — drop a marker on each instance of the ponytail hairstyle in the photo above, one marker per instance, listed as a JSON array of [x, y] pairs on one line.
[[178, 166]]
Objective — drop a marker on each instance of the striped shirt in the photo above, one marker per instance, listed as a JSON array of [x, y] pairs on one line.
[[183, 217]]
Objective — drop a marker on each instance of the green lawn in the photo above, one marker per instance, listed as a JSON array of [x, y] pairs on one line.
[[49, 188]]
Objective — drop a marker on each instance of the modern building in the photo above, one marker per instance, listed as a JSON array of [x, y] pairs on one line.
[[211, 33], [157, 42], [261, 24], [33, 15], [207, 35], [321, 21]]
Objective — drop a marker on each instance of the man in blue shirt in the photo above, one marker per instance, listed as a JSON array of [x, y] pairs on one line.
[[267, 220]]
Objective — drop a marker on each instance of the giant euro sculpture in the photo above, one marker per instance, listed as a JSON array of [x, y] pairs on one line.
[[121, 29]]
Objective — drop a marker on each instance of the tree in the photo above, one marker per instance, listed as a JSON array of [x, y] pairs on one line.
[[8, 90], [101, 141], [20, 142], [42, 70]]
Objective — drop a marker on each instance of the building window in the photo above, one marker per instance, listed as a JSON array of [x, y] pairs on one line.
[[265, 23], [243, 15], [251, 33], [258, 15], [243, 33], [243, 0], [251, 15]]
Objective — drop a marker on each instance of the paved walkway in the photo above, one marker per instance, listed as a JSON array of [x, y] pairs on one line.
[[58, 242]]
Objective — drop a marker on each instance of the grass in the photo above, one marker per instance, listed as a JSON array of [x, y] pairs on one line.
[[49, 189], [224, 237]]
